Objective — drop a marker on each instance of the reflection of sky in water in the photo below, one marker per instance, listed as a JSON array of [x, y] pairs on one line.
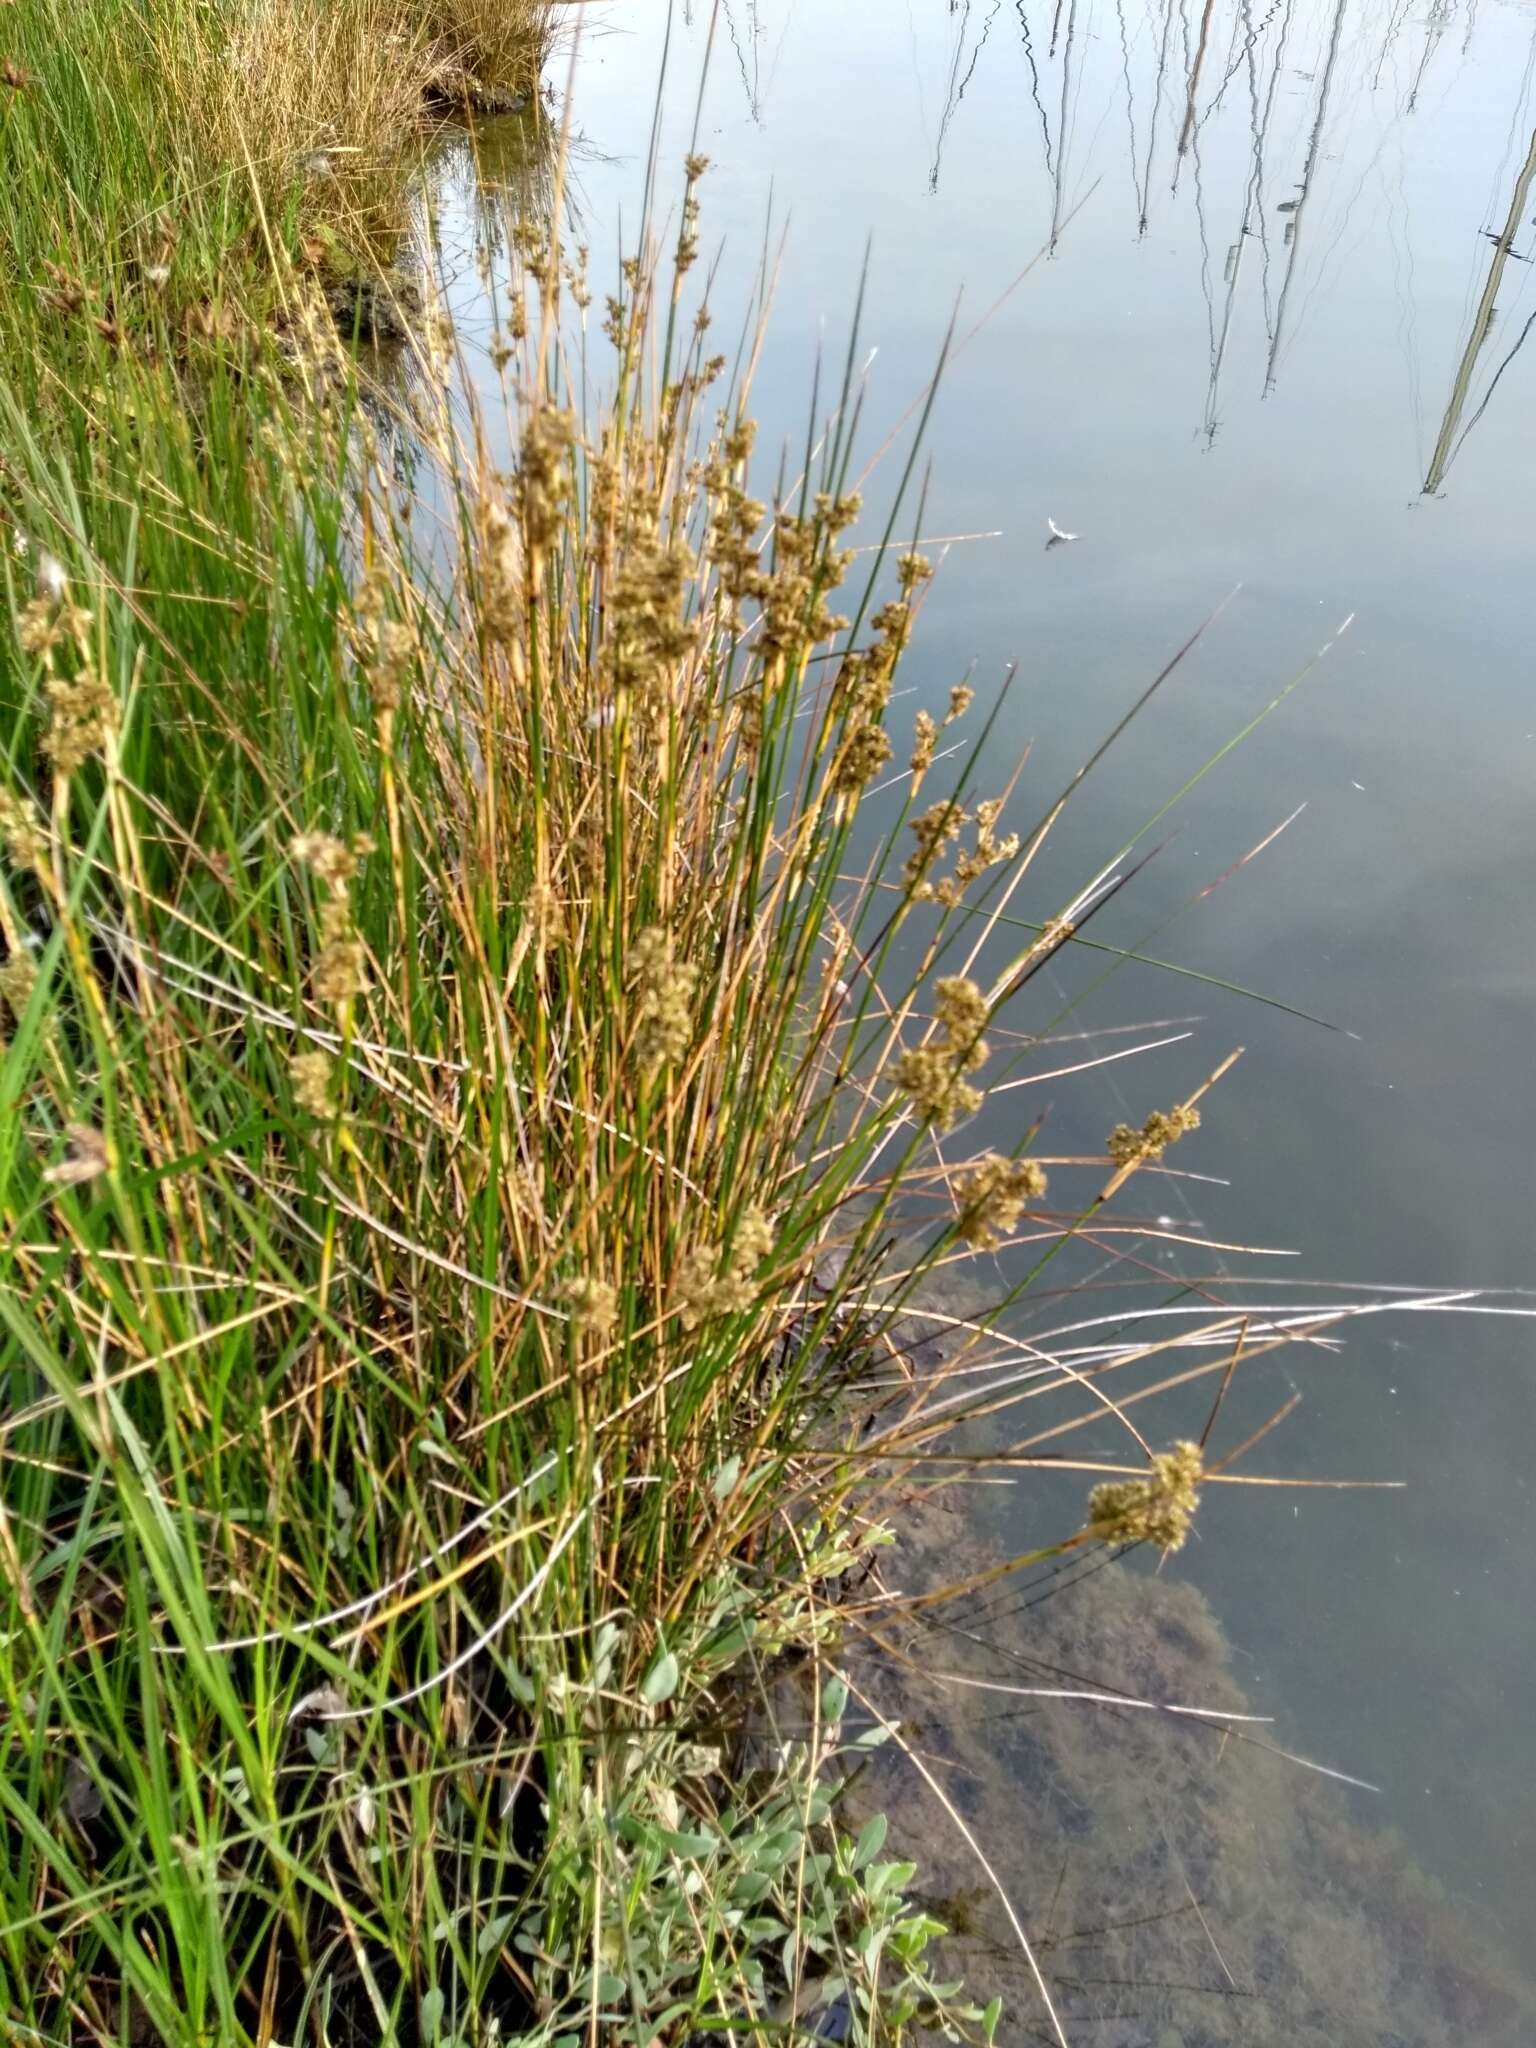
[[1239, 365]]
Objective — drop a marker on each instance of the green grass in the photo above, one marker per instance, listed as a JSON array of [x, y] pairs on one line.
[[453, 1014], [175, 173]]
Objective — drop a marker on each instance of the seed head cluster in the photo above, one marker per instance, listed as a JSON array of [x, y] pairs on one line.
[[1164, 1127], [793, 597], [1158, 1509], [593, 1305], [386, 647], [21, 833], [339, 973], [714, 1282], [18, 978], [933, 1074], [649, 636], [687, 252], [925, 733], [82, 713], [864, 753], [665, 991], [940, 826], [543, 480], [992, 1194], [500, 561], [790, 587], [933, 829], [312, 1074], [735, 520], [49, 622], [862, 693]]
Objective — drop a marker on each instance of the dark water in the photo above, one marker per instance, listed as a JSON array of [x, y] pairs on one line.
[[1271, 340]]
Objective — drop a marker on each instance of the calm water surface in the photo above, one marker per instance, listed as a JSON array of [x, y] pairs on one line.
[[1272, 341]]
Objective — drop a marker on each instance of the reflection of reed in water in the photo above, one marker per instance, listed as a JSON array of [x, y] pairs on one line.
[[743, 43], [1157, 101], [478, 185], [1130, 97], [1235, 254], [1058, 192], [1448, 443], [497, 174], [1186, 135], [1439, 14], [958, 80], [1034, 86], [1259, 147], [1171, 103], [1309, 172]]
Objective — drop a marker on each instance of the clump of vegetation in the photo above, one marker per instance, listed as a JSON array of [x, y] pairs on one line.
[[470, 963], [176, 170], [496, 48], [308, 89], [445, 1039]]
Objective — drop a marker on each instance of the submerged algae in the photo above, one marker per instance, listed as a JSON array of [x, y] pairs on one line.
[[1183, 1884]]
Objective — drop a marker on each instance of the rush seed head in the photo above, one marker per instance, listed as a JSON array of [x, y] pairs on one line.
[[1158, 1509], [665, 989], [82, 713], [992, 1195], [1164, 1127]]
